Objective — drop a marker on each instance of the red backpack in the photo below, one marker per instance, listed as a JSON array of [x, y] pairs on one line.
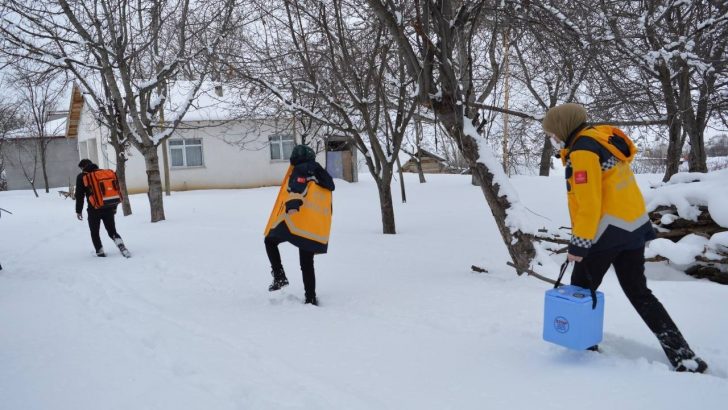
[[104, 187]]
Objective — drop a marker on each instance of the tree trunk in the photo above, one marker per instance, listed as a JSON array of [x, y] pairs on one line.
[[154, 180], [506, 100], [696, 157], [165, 163], [674, 149], [401, 182], [121, 176], [520, 245], [32, 185], [674, 121], [697, 160], [385, 203], [3, 181], [42, 147], [416, 158], [545, 165], [420, 173]]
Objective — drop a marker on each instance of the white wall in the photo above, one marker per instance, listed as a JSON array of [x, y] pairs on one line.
[[235, 155], [89, 133]]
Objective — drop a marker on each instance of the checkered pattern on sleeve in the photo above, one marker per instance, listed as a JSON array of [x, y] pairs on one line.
[[580, 242]]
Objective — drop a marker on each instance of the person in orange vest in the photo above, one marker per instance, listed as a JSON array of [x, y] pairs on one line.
[[97, 214], [609, 222], [301, 217]]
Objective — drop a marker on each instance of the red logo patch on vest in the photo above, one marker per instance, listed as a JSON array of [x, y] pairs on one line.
[[300, 180], [580, 177]]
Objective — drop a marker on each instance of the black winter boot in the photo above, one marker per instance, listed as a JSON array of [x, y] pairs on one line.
[[694, 365], [311, 300], [279, 279], [122, 248]]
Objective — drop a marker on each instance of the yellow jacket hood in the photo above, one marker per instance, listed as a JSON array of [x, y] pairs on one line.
[[611, 138]]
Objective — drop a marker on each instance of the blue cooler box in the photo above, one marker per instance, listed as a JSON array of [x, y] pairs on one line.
[[570, 321]]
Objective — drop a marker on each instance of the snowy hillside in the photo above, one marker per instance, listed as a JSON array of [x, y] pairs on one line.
[[188, 323]]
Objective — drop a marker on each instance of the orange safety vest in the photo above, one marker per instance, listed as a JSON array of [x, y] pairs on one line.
[[308, 228]]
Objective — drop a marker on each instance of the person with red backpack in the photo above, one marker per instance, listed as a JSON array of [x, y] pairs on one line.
[[100, 187]]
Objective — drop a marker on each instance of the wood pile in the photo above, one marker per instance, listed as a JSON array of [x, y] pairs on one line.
[[712, 266]]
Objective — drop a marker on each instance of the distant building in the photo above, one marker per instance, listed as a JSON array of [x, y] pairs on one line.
[[431, 163], [22, 156]]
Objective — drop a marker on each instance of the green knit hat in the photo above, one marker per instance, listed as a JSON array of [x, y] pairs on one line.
[[301, 154], [562, 120]]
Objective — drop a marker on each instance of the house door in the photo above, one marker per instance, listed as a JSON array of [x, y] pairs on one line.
[[335, 164]]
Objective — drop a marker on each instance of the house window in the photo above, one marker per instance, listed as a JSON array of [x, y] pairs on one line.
[[186, 152], [281, 146], [82, 149], [93, 151]]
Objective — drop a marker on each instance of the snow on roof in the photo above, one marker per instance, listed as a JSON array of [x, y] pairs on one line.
[[206, 104], [53, 128]]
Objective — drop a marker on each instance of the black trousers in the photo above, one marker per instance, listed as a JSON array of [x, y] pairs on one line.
[[630, 268], [305, 259], [95, 217]]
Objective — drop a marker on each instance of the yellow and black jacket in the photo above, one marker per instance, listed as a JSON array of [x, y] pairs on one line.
[[605, 204], [307, 189]]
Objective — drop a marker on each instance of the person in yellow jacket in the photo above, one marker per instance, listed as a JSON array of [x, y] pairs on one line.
[[301, 216], [609, 222]]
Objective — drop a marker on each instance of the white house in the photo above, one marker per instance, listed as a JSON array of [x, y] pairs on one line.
[[210, 150]]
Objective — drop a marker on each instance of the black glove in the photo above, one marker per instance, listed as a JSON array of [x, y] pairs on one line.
[[293, 205]]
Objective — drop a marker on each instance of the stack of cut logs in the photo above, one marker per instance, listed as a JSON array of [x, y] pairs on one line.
[[675, 228]]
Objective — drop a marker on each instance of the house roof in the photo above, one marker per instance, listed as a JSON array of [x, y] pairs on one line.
[[54, 128], [206, 104], [423, 153], [74, 112]]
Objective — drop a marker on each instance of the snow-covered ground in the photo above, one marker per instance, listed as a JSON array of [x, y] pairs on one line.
[[188, 323]]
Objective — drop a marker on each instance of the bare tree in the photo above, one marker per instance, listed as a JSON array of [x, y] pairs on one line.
[[549, 68], [678, 49], [435, 39], [26, 158], [109, 49], [9, 120], [39, 91], [336, 65]]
